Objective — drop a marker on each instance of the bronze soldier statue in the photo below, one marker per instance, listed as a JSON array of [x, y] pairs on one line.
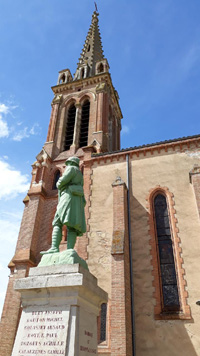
[[70, 208]]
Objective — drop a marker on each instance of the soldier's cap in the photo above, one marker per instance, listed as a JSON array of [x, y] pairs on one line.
[[75, 160]]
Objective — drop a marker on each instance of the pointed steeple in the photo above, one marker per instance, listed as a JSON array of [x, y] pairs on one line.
[[92, 52]]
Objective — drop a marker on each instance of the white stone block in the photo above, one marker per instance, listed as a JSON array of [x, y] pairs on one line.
[[60, 309]]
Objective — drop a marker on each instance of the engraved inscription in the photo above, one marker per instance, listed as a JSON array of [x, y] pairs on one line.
[[88, 349], [44, 333]]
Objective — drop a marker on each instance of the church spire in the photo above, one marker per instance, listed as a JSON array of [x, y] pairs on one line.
[[92, 52]]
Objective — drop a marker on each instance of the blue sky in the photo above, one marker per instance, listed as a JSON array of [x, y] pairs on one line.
[[153, 48]]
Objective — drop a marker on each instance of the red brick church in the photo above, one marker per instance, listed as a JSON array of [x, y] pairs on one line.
[[142, 213]]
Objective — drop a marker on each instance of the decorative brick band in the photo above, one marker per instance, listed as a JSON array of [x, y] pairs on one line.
[[185, 312]]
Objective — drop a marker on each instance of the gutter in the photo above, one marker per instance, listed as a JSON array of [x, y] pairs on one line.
[[130, 257]]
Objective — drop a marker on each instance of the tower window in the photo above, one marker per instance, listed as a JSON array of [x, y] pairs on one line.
[[84, 124], [70, 127], [88, 48], [62, 79], [82, 73], [167, 270], [100, 68], [56, 177]]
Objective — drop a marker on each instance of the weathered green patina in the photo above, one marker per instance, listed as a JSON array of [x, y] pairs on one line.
[[70, 208], [68, 256]]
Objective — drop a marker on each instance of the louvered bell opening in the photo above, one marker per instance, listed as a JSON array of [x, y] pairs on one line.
[[70, 127], [84, 124]]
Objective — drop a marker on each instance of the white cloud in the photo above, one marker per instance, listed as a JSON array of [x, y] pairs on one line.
[[2, 295], [12, 182], [12, 131], [9, 231], [4, 131], [2, 267], [4, 109], [25, 133], [34, 129], [125, 129], [16, 216], [18, 136]]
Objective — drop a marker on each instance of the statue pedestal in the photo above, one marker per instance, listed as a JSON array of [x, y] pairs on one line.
[[60, 309], [66, 257]]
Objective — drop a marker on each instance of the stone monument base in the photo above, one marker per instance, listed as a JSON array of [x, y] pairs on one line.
[[60, 309], [68, 256]]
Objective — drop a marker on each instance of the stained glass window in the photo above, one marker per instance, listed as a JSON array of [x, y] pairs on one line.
[[103, 322], [170, 296]]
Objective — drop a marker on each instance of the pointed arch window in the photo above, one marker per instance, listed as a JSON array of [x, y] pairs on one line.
[[100, 68], [101, 324], [166, 262], [69, 133], [62, 79], [82, 73], [84, 124], [56, 177]]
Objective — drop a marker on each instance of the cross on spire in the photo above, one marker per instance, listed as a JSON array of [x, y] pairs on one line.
[[96, 6]]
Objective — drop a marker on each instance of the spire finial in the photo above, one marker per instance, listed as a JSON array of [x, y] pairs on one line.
[[92, 50], [95, 4]]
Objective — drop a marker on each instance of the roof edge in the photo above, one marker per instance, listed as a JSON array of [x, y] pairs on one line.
[[149, 145]]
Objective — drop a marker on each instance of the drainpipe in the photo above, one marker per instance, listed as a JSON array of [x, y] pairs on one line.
[[130, 257]]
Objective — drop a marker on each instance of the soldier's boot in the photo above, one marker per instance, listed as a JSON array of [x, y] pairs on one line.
[[56, 239], [71, 238]]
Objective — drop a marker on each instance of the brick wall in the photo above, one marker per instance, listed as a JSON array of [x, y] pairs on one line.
[[121, 328], [11, 314]]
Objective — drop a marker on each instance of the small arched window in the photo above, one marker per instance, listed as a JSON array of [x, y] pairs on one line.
[[100, 68], [56, 177], [62, 79], [166, 262], [69, 133], [82, 73], [84, 124]]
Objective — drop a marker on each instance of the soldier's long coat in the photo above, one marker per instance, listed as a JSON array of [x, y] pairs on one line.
[[70, 208]]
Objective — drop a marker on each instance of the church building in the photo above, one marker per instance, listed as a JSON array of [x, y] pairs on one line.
[[142, 214]]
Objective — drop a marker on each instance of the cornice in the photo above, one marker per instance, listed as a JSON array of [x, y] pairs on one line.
[[179, 145]]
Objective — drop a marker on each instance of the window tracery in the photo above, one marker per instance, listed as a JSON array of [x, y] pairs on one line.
[[167, 269]]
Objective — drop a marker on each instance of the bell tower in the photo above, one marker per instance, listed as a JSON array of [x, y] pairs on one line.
[[85, 108], [85, 117]]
